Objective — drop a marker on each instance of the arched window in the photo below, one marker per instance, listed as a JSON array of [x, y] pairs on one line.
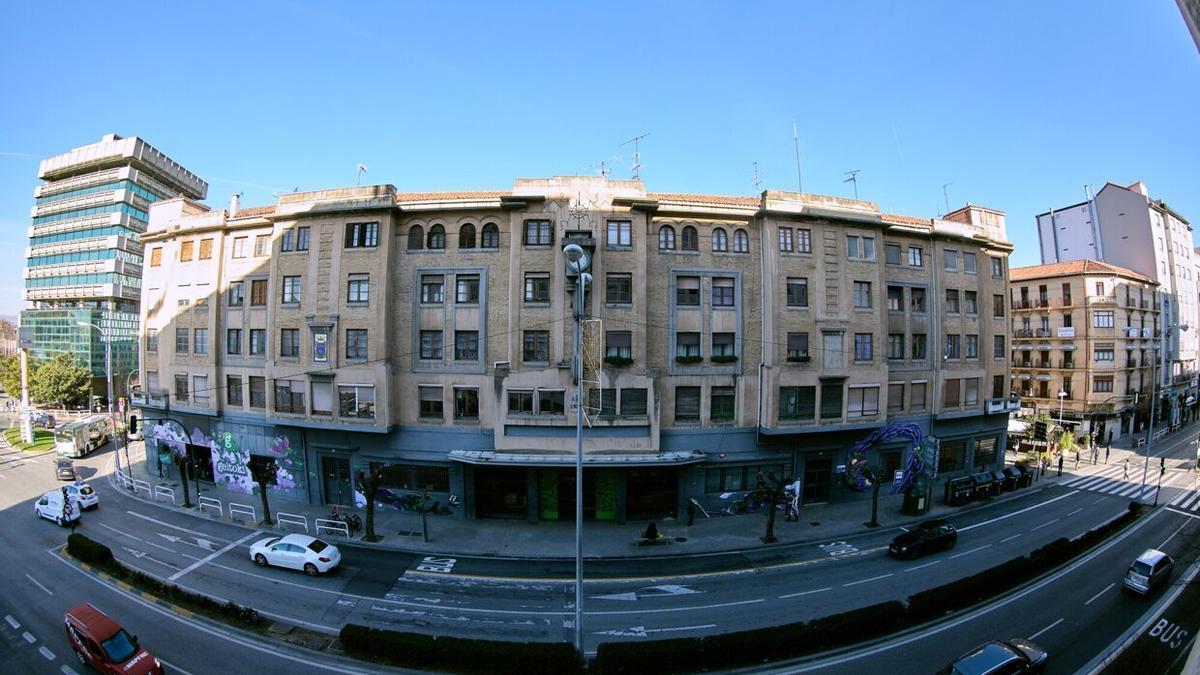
[[666, 238], [466, 236], [437, 237], [720, 241], [741, 241], [691, 240], [491, 236], [416, 238]]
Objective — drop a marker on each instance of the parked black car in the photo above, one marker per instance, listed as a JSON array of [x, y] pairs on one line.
[[959, 491], [1000, 656], [929, 536], [985, 485]]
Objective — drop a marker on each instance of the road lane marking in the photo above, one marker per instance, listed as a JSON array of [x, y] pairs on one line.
[[1098, 500], [1163, 546], [1073, 512], [1098, 595], [121, 533], [176, 669], [165, 548], [1051, 522], [925, 565], [1015, 513], [176, 527], [642, 611], [1045, 629], [214, 554], [863, 581], [642, 631], [977, 548], [68, 670], [1009, 538], [46, 653], [796, 595], [39, 585], [29, 637], [11, 621], [1183, 513]]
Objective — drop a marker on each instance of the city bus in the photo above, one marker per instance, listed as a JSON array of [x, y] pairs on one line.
[[78, 438]]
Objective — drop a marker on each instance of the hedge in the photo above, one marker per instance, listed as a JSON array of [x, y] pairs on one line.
[[89, 551], [463, 655]]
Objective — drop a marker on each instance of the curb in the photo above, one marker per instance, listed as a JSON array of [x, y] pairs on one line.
[[109, 579]]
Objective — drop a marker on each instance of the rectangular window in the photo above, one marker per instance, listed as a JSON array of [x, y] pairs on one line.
[[262, 247], [289, 396], [233, 390], [863, 350], [998, 306], [361, 235], [920, 347], [633, 402], [536, 346], [797, 403], [895, 298], [797, 346], [831, 399], [891, 254], [233, 341], [1099, 288], [1102, 318], [181, 340], [618, 288], [860, 247], [356, 400], [916, 256], [916, 397], [287, 242], [537, 287], [538, 233], [620, 233], [466, 345], [258, 292], [258, 341], [972, 344], [289, 343], [862, 295], [604, 400], [952, 456], [466, 404], [237, 293], [291, 291], [358, 288], [206, 246], [687, 404], [722, 291], [998, 349], [916, 300], [970, 302], [201, 341], [895, 397], [997, 268], [687, 291], [723, 406], [258, 391], [687, 345], [723, 345], [151, 339], [181, 388], [1104, 352], [433, 288], [971, 387], [803, 240], [302, 238], [896, 346], [952, 301], [553, 401], [831, 349], [431, 345], [862, 402], [968, 262], [951, 393], [618, 344], [786, 244], [953, 346], [467, 289], [951, 259], [239, 247], [430, 403], [356, 344], [797, 292], [156, 256], [186, 250], [1102, 384], [998, 386]]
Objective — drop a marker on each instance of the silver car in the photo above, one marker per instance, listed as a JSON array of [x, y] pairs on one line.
[[1151, 570]]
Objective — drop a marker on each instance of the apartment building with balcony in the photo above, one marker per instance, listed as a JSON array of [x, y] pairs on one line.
[[1085, 334], [432, 334], [84, 259]]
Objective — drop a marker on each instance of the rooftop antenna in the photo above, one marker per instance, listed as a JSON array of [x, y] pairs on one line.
[[637, 155], [946, 195], [362, 168], [854, 180], [604, 170], [796, 144], [758, 178]]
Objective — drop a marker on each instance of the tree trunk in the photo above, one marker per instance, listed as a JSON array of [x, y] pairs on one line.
[[262, 492], [874, 504], [769, 537], [183, 479], [369, 492]]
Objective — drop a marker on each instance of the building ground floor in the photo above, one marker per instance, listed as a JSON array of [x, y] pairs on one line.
[[458, 473]]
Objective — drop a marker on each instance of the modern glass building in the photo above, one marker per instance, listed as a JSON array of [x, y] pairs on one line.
[[84, 260]]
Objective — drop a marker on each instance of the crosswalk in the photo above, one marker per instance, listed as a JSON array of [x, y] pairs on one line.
[[1188, 500], [1116, 480]]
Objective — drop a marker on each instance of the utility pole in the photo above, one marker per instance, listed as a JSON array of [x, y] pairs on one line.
[[796, 145], [25, 339]]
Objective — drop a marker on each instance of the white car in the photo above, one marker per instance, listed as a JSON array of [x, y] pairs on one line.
[[55, 505], [84, 494], [298, 552]]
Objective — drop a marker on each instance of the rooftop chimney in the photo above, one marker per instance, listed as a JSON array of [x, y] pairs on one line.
[[233, 204], [1140, 188]]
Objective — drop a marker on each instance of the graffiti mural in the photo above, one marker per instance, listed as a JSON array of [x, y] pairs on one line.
[[231, 465], [290, 463], [915, 464]]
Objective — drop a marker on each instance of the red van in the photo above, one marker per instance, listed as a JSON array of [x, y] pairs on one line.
[[100, 642]]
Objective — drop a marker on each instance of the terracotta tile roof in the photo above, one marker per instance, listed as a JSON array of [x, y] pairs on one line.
[[447, 196], [255, 211], [905, 220], [1062, 269], [719, 200]]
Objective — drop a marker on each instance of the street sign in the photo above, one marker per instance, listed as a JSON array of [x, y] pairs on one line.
[[898, 478], [25, 337]]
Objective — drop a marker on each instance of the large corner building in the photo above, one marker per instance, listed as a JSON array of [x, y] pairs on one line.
[[84, 261]]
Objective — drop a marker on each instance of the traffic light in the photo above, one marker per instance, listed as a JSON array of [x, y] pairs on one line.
[[1162, 465], [133, 424], [1039, 431]]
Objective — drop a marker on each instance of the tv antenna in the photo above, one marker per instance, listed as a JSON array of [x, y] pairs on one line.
[[637, 155], [758, 178], [853, 179], [796, 144], [946, 195]]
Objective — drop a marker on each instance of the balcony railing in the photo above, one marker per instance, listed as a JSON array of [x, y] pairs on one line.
[[1001, 405], [1066, 364], [1042, 332], [1023, 333]]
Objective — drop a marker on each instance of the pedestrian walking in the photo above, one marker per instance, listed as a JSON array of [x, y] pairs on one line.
[[1126, 476], [691, 511], [1095, 454], [1107, 449], [1060, 460], [1076, 459]]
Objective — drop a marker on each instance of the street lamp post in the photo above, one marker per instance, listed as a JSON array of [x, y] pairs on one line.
[[111, 410], [1162, 369], [1062, 396], [578, 263]]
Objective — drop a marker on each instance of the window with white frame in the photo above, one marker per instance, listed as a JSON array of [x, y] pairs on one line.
[[358, 288], [860, 247], [620, 233], [862, 401]]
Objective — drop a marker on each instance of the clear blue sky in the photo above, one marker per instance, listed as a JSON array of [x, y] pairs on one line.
[[1016, 104]]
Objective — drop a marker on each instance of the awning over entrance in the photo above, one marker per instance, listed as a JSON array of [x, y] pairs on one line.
[[493, 458]]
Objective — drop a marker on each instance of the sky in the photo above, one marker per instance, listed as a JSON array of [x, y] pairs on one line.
[[1015, 105]]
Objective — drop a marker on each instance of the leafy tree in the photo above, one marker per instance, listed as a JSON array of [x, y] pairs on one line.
[[62, 380], [369, 482], [263, 471], [10, 374], [1066, 442], [770, 489]]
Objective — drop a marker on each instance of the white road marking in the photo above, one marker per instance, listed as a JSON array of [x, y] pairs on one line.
[[796, 595], [1045, 629], [176, 669], [46, 653], [1015, 513], [1163, 545], [642, 631], [1099, 594], [68, 670], [11, 621], [1009, 538], [1050, 522], [175, 527], [629, 596], [977, 548], [925, 565], [1073, 512], [39, 585], [1183, 513], [214, 554], [863, 581], [165, 548], [649, 611], [29, 637]]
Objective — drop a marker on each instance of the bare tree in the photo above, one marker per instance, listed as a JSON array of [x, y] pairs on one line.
[[770, 489], [369, 482], [263, 471]]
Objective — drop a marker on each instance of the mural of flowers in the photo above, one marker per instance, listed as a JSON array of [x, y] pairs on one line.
[[290, 463]]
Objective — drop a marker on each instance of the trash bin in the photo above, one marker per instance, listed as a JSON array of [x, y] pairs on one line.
[[1025, 475], [916, 499], [985, 485], [1005, 480], [959, 491]]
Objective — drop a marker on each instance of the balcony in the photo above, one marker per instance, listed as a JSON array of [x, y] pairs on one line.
[[1042, 333], [993, 406], [155, 399], [1066, 364], [1022, 333]]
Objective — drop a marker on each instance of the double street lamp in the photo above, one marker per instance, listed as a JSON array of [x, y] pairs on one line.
[[578, 262], [107, 336]]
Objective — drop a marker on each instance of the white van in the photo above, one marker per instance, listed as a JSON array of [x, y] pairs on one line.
[[58, 506]]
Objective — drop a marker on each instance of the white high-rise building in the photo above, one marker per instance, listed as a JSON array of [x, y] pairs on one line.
[[1124, 226]]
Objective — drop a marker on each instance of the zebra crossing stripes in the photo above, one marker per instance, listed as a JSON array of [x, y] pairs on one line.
[[1188, 500], [1111, 480]]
